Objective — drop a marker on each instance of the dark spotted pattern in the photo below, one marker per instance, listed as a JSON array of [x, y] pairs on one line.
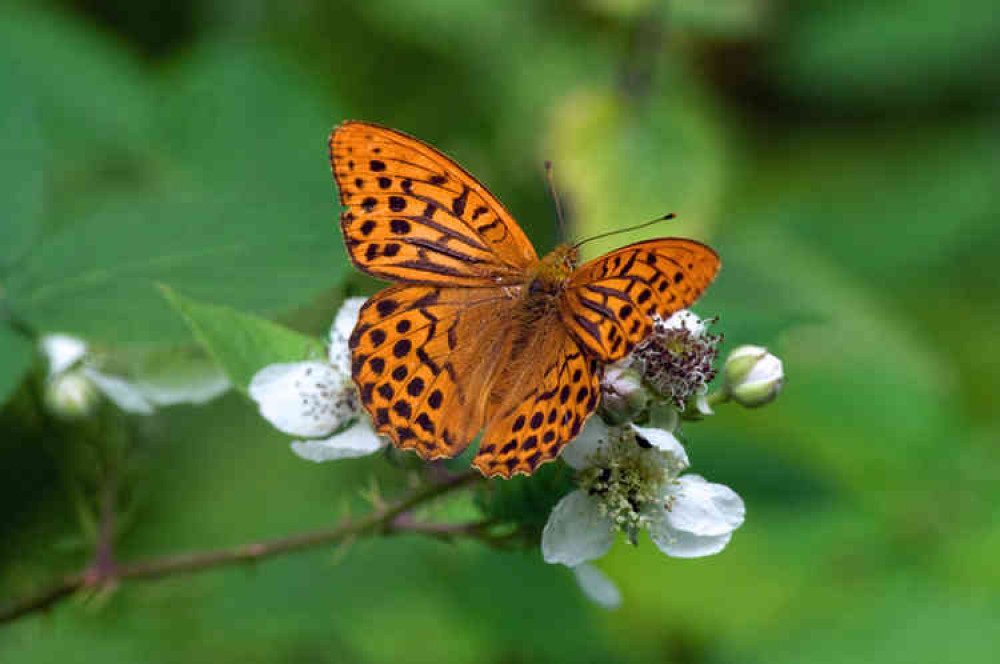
[[610, 301], [533, 431], [422, 359], [452, 221], [407, 377]]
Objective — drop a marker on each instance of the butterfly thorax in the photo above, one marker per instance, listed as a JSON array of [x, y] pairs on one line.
[[551, 273], [547, 279]]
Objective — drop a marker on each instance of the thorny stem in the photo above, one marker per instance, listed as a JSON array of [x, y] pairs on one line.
[[104, 572]]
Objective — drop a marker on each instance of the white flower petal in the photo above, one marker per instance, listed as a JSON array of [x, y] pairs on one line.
[[62, 351], [687, 320], [357, 441], [301, 398], [347, 317], [576, 531], [343, 325], [122, 393], [596, 585], [767, 370], [681, 544], [582, 449], [197, 393], [703, 508], [665, 442], [702, 406], [189, 380]]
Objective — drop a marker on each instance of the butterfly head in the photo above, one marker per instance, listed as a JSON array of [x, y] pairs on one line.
[[562, 261]]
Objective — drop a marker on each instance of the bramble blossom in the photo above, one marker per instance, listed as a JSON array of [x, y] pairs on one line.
[[137, 382], [630, 480], [317, 399]]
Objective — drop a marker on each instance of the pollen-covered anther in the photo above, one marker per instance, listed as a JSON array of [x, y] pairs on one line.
[[623, 481]]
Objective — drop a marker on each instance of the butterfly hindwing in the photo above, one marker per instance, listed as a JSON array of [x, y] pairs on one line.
[[543, 414], [414, 215], [609, 302], [418, 368]]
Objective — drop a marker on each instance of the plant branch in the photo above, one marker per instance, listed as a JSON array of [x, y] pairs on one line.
[[385, 520], [104, 557]]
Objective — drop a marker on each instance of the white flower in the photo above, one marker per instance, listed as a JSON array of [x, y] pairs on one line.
[[316, 399], [630, 480], [158, 377], [752, 376]]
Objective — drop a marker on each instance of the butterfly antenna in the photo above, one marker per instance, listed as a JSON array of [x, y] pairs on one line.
[[555, 198], [626, 230]]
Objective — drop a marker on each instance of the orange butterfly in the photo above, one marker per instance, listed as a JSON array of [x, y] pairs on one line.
[[478, 332]]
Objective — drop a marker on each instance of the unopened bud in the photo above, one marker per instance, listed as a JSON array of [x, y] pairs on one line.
[[71, 395], [753, 376], [623, 395]]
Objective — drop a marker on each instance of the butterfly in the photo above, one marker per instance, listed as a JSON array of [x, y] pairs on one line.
[[478, 333]]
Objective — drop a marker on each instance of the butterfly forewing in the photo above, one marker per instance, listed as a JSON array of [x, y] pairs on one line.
[[414, 215], [609, 302]]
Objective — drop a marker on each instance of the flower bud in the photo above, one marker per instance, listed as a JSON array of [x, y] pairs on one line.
[[752, 376], [71, 395], [623, 396]]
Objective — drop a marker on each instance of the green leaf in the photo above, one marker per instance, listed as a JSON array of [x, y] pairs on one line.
[[15, 360], [90, 92], [242, 215], [96, 278], [526, 501], [251, 127], [22, 168], [241, 343]]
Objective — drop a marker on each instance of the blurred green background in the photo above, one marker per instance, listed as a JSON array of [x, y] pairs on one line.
[[840, 155]]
